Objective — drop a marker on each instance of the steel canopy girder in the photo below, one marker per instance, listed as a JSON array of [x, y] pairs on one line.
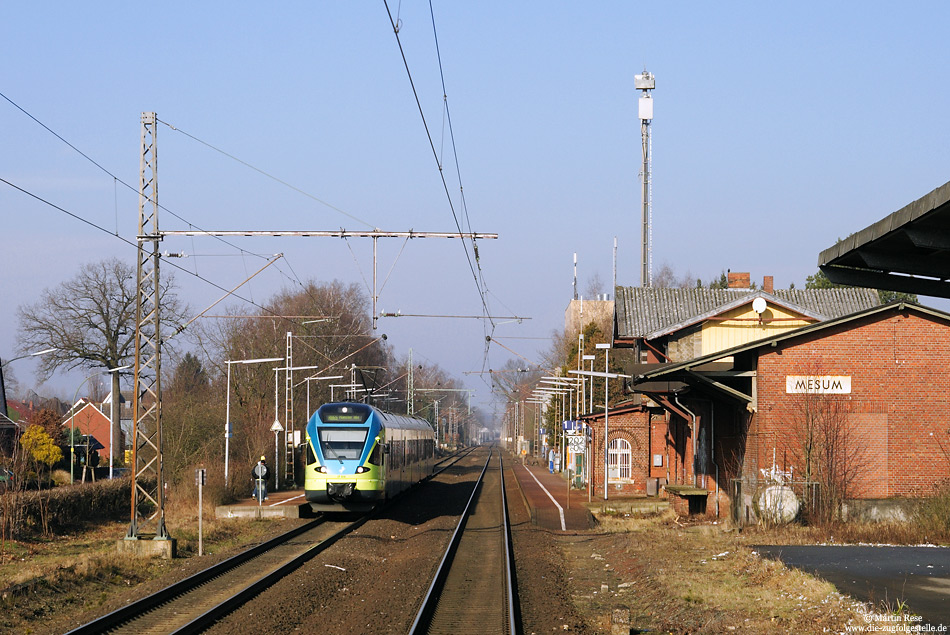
[[341, 233], [909, 264], [719, 387], [889, 281], [907, 251]]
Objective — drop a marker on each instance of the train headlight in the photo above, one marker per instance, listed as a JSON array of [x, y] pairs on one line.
[[322, 469], [362, 469]]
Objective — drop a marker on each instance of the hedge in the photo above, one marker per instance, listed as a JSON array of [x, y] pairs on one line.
[[31, 513]]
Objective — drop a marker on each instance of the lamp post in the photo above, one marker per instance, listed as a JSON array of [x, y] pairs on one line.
[[227, 412], [470, 393], [607, 376], [606, 349], [539, 404], [350, 388], [72, 428], [589, 358], [288, 428], [112, 418], [316, 378], [562, 390]]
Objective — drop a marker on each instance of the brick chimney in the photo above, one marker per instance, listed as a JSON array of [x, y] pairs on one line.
[[768, 284], [741, 280]]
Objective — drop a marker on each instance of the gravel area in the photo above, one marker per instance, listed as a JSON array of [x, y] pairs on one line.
[[544, 579], [373, 580]]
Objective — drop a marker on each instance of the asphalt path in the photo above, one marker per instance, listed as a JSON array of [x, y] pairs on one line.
[[917, 576]]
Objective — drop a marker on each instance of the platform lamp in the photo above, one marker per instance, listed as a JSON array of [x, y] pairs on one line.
[[112, 417], [315, 378], [606, 348], [72, 427], [607, 375], [590, 358]]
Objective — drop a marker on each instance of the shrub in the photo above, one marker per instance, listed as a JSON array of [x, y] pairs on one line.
[[63, 508], [932, 514]]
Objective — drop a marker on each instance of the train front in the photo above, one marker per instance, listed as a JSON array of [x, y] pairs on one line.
[[344, 458]]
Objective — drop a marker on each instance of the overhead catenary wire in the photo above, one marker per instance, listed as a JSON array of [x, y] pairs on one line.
[[132, 188], [137, 247], [489, 325], [265, 173], [295, 279], [435, 155], [106, 170]]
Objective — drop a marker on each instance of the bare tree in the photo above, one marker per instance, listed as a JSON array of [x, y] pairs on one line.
[[90, 320], [666, 278], [824, 445], [594, 287], [335, 336]]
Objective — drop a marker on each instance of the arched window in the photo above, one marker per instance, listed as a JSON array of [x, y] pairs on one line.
[[619, 459]]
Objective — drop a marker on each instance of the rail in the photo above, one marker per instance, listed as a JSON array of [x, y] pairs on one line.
[[474, 588], [238, 591], [234, 587]]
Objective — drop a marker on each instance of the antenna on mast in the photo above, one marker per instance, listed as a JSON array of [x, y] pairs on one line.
[[645, 82], [615, 266], [575, 275]]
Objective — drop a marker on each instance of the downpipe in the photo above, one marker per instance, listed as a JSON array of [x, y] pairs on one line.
[[679, 403]]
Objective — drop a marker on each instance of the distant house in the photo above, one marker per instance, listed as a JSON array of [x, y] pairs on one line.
[[125, 417], [89, 420], [21, 411], [125, 404]]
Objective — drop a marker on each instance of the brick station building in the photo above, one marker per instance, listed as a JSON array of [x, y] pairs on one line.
[[636, 432], [650, 437], [736, 416]]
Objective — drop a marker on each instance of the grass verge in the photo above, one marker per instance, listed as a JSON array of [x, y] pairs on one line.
[[664, 576], [45, 583]]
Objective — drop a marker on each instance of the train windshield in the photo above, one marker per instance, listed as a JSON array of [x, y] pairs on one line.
[[342, 443]]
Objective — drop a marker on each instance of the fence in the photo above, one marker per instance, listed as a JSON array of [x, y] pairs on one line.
[[773, 502]]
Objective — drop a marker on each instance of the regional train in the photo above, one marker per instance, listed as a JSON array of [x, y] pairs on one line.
[[358, 456]]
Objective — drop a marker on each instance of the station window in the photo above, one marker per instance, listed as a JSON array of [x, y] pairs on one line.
[[619, 460]]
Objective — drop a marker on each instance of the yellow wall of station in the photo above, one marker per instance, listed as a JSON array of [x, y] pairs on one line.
[[742, 325]]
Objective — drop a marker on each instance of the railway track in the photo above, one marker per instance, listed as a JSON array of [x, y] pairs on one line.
[[474, 589], [193, 604]]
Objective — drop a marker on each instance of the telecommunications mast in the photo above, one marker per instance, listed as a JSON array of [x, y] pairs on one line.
[[645, 82]]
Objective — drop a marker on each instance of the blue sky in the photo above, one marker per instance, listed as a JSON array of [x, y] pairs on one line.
[[779, 127]]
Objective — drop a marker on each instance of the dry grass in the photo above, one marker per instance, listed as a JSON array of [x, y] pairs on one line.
[[677, 577], [44, 580], [850, 533]]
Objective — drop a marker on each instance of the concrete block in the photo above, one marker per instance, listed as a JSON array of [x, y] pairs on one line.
[[149, 547]]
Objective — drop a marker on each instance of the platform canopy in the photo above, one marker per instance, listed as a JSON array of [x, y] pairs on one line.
[[908, 251]]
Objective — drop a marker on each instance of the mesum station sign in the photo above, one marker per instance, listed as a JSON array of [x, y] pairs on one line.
[[818, 384]]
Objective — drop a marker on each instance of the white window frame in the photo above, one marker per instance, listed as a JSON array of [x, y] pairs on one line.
[[619, 461]]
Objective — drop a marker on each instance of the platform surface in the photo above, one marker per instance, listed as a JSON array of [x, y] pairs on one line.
[[281, 504], [546, 496]]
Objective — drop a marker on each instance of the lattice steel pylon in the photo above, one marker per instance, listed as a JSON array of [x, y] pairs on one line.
[[148, 499]]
